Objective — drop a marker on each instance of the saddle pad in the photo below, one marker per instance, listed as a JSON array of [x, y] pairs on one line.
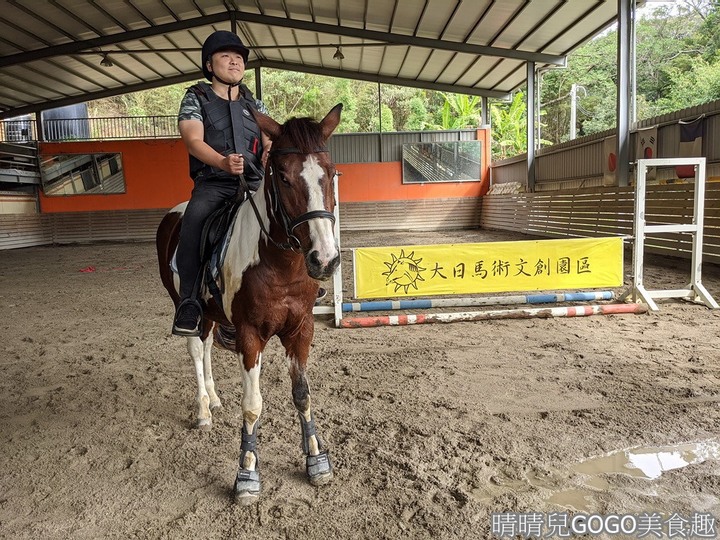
[[216, 258]]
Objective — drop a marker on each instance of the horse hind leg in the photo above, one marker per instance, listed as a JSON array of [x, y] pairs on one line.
[[318, 466]]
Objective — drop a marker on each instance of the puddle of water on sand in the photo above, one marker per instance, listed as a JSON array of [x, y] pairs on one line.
[[647, 462]]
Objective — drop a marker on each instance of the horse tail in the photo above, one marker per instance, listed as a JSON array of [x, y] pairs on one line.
[[166, 240]]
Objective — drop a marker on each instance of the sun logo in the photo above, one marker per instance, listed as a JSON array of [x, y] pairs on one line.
[[404, 271]]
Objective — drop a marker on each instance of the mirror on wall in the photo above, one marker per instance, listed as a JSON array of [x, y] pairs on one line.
[[81, 174], [453, 161]]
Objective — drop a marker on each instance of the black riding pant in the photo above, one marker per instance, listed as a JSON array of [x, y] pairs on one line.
[[208, 195]]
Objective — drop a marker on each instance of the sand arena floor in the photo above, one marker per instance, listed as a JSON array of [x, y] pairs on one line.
[[432, 428]]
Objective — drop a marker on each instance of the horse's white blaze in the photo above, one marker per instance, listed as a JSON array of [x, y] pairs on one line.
[[251, 404], [321, 230], [244, 248], [196, 349]]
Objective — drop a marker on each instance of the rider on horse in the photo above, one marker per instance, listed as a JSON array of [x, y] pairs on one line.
[[224, 141]]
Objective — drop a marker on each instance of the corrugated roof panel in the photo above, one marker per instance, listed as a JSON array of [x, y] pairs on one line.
[[515, 34], [65, 39]]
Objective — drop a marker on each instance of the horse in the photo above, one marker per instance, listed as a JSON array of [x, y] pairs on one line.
[[282, 242]]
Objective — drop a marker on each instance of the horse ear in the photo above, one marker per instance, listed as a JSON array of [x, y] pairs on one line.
[[331, 121], [267, 124]]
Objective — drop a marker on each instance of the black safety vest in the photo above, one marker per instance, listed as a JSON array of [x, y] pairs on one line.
[[220, 136]]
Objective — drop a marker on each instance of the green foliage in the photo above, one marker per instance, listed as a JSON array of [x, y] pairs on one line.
[[509, 124], [694, 86], [459, 111], [678, 64], [417, 118], [156, 102]]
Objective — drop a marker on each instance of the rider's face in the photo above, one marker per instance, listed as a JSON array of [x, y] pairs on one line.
[[228, 66]]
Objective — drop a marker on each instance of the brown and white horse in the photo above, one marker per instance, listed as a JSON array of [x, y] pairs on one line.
[[282, 241]]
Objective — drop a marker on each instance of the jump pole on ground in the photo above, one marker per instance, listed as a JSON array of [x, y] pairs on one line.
[[520, 313]]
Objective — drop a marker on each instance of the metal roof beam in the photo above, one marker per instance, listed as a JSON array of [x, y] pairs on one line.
[[397, 81], [131, 35], [109, 92], [429, 43]]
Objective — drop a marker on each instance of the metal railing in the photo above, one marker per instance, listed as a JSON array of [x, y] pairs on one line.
[[76, 129]]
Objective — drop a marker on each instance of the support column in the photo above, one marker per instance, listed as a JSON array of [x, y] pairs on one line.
[[258, 83], [530, 100], [484, 112], [623, 91]]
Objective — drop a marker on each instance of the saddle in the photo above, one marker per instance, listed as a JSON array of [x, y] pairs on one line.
[[214, 241]]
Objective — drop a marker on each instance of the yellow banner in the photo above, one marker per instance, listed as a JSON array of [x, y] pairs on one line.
[[534, 265]]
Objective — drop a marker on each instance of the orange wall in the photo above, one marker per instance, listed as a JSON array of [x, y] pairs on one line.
[[362, 182], [156, 176]]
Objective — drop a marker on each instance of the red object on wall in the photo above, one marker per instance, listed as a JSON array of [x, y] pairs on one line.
[[612, 162]]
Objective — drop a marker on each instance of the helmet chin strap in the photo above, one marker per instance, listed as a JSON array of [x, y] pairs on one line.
[[229, 85]]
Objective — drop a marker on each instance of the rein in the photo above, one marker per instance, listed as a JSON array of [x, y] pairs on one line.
[[293, 243]]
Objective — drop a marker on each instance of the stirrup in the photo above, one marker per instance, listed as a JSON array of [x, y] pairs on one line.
[[197, 331]]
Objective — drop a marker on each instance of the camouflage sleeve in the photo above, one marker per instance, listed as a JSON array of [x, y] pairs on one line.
[[261, 107], [190, 107]]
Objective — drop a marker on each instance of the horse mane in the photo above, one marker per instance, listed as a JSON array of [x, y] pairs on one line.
[[305, 133]]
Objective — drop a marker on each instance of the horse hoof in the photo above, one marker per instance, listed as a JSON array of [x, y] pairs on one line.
[[247, 487], [246, 498], [319, 469], [205, 424], [321, 479], [215, 407]]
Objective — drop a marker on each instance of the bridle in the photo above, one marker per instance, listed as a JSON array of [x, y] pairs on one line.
[[288, 223]]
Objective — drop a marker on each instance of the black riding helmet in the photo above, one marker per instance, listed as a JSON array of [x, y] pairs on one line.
[[222, 40]]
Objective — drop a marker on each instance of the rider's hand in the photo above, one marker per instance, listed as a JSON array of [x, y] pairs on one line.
[[233, 164]]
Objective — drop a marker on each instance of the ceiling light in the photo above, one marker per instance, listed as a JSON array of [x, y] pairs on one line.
[[338, 54], [106, 62]]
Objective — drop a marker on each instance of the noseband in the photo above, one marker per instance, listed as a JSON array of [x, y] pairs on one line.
[[288, 223]]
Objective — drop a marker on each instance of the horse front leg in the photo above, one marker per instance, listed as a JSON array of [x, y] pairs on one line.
[[200, 353], [215, 403], [317, 458], [247, 482]]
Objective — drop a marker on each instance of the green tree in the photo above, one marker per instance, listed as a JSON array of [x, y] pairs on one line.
[[669, 40], [694, 86], [459, 111], [418, 117], [509, 127]]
